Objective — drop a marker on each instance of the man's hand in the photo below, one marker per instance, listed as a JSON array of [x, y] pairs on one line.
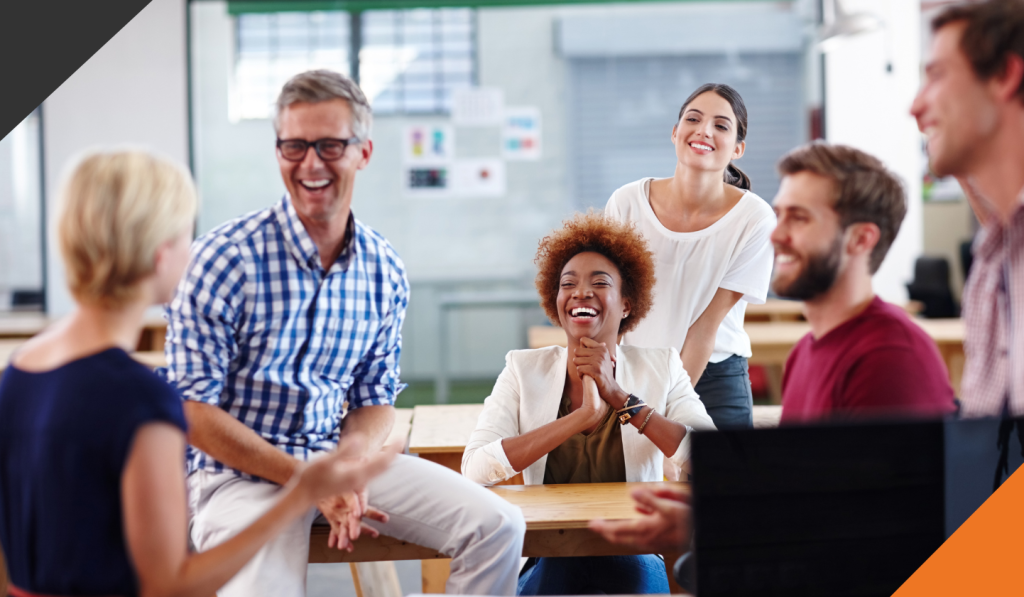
[[345, 513], [665, 526], [362, 435]]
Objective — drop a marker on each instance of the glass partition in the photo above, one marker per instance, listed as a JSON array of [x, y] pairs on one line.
[[21, 218]]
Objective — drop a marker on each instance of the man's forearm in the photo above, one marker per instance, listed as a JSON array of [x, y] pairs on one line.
[[370, 425], [230, 442]]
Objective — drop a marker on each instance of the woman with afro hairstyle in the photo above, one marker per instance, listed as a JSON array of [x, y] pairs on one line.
[[593, 412]]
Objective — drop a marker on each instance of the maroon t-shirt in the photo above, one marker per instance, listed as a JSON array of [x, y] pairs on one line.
[[877, 365]]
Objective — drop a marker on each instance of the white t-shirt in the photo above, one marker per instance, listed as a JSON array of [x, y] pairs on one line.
[[734, 253]]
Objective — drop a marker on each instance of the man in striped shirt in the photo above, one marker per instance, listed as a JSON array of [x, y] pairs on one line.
[[284, 338], [971, 107]]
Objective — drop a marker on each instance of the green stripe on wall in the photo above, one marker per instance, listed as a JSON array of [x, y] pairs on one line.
[[251, 6]]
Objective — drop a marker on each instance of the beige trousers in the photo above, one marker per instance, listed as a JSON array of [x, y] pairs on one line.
[[428, 504]]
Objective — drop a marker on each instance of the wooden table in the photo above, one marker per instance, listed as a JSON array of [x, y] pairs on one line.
[[556, 525], [27, 324], [557, 516], [440, 432], [771, 344], [775, 310], [22, 324]]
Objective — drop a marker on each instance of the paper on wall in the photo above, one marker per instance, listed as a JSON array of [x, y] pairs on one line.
[[428, 143], [427, 180], [520, 133], [478, 106], [478, 177]]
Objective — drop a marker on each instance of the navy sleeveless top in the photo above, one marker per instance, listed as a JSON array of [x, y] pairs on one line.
[[65, 435]]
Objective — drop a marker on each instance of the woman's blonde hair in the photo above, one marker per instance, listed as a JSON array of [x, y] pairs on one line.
[[117, 208]]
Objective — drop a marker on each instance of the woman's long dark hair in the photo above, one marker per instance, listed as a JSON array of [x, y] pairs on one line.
[[733, 175]]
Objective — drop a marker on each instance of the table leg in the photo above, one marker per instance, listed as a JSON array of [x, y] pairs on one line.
[[375, 579], [954, 357], [774, 375], [670, 562], [158, 338], [441, 381], [435, 574]]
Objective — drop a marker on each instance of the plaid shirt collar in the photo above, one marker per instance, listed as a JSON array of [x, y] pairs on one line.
[[301, 245]]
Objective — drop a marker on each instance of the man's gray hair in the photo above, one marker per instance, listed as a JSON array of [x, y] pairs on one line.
[[314, 86]]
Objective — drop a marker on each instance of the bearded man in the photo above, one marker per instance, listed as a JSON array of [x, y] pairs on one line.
[[839, 210]]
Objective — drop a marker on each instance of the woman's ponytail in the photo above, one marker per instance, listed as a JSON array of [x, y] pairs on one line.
[[737, 177]]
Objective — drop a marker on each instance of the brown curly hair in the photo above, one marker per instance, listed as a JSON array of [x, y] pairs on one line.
[[617, 241]]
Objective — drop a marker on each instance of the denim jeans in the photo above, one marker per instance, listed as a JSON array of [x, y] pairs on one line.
[[724, 388], [594, 575]]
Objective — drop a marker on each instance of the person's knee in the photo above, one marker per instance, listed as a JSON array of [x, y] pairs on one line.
[[507, 522]]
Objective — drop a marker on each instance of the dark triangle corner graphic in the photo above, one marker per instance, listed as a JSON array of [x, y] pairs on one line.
[[43, 42]]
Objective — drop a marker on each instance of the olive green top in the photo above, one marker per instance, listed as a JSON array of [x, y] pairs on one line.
[[594, 458]]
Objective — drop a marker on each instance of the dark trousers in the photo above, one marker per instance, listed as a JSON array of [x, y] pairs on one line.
[[724, 388], [594, 575]]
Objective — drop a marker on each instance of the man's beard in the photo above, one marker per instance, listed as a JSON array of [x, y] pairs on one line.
[[817, 277]]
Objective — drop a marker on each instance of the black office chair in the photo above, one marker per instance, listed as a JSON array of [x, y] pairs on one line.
[[966, 257], [26, 300], [931, 288]]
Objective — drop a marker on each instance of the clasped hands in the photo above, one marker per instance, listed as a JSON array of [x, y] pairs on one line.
[[596, 360]]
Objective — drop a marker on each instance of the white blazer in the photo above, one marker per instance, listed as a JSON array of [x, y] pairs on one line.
[[529, 391]]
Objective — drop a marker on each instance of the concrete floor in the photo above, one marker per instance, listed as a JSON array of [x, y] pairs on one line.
[[335, 580]]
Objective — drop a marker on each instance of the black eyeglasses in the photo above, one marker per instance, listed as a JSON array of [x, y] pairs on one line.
[[294, 150]]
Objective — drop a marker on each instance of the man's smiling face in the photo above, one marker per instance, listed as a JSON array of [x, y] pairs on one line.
[[321, 191], [953, 108], [808, 239]]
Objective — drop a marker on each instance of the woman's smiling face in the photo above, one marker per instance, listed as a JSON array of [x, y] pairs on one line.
[[705, 136], [590, 302]]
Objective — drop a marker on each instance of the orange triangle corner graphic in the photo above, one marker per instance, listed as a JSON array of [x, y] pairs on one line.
[[985, 556]]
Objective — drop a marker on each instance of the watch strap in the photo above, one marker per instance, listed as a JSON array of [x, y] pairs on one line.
[[630, 409]]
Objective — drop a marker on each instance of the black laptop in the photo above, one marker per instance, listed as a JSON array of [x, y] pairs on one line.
[[834, 510]]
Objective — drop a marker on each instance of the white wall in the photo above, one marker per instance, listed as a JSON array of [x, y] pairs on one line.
[[132, 91], [868, 108], [476, 243]]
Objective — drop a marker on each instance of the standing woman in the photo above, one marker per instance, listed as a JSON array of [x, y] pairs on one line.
[[710, 238], [92, 444]]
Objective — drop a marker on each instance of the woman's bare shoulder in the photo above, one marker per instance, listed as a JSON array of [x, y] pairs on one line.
[[47, 350]]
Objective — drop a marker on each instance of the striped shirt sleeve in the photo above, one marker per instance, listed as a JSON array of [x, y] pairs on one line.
[[377, 374], [202, 318]]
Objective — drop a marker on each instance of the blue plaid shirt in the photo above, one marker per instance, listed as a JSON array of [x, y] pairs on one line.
[[258, 328]]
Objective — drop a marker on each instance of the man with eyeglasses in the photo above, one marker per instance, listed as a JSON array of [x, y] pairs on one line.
[[284, 338]]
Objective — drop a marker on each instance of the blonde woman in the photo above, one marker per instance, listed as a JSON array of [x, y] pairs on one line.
[[92, 444]]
